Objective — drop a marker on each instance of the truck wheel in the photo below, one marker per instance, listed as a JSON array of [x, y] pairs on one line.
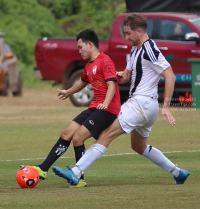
[[85, 96], [19, 87]]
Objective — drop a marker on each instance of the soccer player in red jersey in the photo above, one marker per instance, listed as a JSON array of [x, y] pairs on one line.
[[100, 72]]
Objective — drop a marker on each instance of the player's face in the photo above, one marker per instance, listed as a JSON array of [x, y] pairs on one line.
[[84, 49], [132, 35], [178, 29]]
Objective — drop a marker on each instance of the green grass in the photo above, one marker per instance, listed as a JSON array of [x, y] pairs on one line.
[[119, 181]]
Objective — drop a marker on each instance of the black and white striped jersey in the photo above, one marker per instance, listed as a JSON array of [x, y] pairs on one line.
[[146, 65]]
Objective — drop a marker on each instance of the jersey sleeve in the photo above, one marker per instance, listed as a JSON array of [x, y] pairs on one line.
[[84, 76], [128, 64], [109, 70], [157, 61]]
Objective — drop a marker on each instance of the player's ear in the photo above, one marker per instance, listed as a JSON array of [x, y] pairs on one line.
[[90, 44], [139, 31]]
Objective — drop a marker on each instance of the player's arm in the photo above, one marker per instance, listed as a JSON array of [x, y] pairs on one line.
[[78, 86], [109, 95], [123, 76], [169, 89]]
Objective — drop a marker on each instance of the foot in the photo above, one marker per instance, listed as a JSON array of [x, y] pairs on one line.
[[81, 183], [67, 174], [183, 174], [42, 174]]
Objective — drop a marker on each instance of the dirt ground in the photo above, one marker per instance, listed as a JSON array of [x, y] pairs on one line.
[[33, 97]]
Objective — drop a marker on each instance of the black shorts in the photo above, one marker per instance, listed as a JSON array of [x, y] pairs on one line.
[[95, 120]]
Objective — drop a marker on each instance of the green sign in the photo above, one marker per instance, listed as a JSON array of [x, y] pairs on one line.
[[195, 82]]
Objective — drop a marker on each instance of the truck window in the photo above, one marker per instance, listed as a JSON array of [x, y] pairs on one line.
[[149, 27], [174, 30], [195, 21]]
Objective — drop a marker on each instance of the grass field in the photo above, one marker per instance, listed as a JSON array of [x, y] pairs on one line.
[[29, 127]]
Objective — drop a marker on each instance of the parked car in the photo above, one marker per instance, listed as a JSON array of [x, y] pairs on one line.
[[58, 58], [10, 74]]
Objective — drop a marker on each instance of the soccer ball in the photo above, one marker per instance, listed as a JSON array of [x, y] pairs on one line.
[[27, 177]]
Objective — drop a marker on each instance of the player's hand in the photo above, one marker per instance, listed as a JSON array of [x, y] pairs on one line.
[[102, 106], [119, 73], [62, 94], [120, 76], [167, 114]]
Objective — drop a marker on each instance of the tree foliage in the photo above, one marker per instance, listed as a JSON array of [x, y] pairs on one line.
[[25, 21], [97, 15], [62, 8]]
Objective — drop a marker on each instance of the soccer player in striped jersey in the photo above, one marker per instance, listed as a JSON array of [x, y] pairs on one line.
[[138, 114]]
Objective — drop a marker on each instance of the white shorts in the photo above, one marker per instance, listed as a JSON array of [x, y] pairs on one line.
[[138, 113]]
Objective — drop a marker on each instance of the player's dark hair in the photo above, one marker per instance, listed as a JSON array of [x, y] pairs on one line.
[[88, 35], [135, 21]]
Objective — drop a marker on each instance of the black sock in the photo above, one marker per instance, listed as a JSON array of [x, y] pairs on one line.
[[79, 152], [58, 149]]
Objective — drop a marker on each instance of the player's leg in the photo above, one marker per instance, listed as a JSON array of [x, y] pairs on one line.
[[95, 124], [81, 134], [91, 155], [98, 148], [63, 143], [118, 127], [78, 141], [138, 144], [58, 149]]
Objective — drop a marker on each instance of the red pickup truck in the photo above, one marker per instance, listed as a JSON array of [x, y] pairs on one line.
[[176, 34]]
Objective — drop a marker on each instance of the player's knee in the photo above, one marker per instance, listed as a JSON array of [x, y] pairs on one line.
[[105, 139], [77, 139], [138, 149], [64, 134], [133, 147]]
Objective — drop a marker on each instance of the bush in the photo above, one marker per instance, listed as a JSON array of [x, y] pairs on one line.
[[97, 15], [24, 22], [62, 8]]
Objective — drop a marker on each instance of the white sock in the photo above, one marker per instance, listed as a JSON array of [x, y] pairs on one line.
[[77, 172], [91, 155], [157, 157], [175, 171]]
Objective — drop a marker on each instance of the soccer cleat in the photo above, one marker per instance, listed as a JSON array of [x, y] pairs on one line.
[[183, 174], [42, 174], [81, 183], [67, 174]]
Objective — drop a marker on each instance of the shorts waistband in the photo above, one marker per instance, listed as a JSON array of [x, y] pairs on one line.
[[156, 98]]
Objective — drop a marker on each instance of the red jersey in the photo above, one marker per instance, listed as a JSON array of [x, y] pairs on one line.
[[98, 72]]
